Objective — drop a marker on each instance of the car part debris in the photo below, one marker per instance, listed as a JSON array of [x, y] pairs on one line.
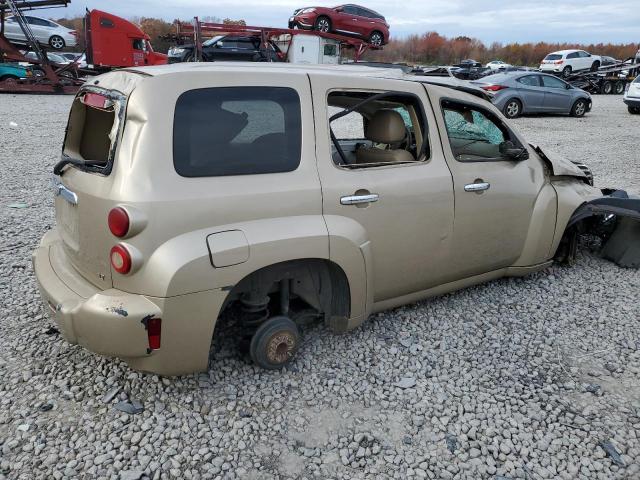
[[610, 450], [132, 408]]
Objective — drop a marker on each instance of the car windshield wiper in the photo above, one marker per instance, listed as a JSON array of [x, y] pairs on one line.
[[67, 160]]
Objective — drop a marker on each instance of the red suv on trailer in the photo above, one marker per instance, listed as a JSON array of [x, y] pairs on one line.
[[345, 19]]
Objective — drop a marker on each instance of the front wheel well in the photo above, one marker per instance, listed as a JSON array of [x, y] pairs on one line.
[[313, 283]]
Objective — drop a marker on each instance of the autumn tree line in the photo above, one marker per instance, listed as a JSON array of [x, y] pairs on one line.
[[430, 48]]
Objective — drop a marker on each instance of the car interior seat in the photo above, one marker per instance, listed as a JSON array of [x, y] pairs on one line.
[[386, 129]]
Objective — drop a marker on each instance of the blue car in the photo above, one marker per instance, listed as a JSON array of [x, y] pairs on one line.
[[517, 93], [13, 71]]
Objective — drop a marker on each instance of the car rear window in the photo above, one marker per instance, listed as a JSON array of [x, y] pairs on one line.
[[237, 131], [553, 56]]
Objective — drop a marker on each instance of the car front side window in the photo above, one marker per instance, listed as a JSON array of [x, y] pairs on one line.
[[477, 135]]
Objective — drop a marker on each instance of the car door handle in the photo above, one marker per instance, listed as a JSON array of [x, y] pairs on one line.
[[477, 187], [359, 199]]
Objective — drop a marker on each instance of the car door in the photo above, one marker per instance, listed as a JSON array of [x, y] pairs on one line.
[[532, 92], [226, 49], [350, 20], [494, 195], [39, 28], [557, 97], [12, 29], [402, 214], [573, 60]]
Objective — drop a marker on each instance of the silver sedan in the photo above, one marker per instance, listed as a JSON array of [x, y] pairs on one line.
[[517, 93]]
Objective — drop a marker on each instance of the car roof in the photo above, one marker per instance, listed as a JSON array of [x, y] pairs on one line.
[[250, 67], [254, 68], [564, 52]]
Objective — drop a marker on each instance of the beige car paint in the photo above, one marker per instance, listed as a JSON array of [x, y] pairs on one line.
[[203, 236]]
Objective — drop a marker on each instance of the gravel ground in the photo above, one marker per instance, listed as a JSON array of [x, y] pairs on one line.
[[526, 378]]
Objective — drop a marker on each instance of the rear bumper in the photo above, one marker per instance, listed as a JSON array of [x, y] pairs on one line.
[[106, 322], [111, 322]]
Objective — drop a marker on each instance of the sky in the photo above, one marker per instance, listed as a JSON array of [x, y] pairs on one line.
[[581, 21]]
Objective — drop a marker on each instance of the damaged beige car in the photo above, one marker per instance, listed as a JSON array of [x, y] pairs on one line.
[[286, 192]]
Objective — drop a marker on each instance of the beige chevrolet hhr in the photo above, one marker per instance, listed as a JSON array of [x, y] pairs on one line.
[[293, 191]]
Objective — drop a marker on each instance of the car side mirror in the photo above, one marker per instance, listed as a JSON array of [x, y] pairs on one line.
[[568, 87], [339, 9], [509, 150]]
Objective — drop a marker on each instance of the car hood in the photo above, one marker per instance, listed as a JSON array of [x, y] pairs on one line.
[[560, 166]]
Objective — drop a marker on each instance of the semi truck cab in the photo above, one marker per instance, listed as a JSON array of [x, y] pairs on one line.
[[115, 42]]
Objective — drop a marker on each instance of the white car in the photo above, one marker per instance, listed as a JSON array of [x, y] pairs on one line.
[[632, 97], [498, 65], [570, 61], [46, 32]]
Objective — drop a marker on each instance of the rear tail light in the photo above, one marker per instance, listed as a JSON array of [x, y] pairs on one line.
[[119, 222], [120, 259], [74, 33], [154, 331], [559, 62], [494, 88]]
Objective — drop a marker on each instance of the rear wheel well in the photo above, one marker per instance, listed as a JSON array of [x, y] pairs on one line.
[[290, 287]]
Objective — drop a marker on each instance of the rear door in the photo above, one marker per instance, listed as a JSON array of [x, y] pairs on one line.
[[407, 224], [494, 196], [532, 92], [349, 20], [557, 97], [230, 49]]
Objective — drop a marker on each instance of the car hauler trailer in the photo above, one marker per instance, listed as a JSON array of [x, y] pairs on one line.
[[56, 78], [297, 46], [612, 79], [111, 42]]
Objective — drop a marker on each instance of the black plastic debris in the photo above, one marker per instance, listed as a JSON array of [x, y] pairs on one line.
[[51, 331], [45, 407], [132, 407], [610, 450], [452, 442]]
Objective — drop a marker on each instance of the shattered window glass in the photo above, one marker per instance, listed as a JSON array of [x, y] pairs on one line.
[[472, 134]]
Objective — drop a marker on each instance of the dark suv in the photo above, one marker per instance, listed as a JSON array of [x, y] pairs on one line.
[[242, 48]]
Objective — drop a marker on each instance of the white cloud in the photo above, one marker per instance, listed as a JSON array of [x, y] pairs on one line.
[[489, 20]]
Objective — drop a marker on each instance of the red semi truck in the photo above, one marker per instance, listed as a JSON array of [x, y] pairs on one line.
[[113, 42]]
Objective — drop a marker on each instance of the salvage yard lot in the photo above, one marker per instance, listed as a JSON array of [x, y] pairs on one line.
[[535, 377]]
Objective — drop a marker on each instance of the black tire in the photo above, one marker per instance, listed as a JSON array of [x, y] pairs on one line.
[[9, 78], [579, 108], [634, 110], [513, 108], [57, 42], [376, 38], [323, 24], [606, 88], [275, 343], [566, 71], [619, 88], [595, 66]]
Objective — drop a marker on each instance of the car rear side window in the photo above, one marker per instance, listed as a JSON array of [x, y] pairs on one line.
[[553, 82], [237, 131]]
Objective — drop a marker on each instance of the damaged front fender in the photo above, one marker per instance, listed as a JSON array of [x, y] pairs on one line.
[[615, 218]]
